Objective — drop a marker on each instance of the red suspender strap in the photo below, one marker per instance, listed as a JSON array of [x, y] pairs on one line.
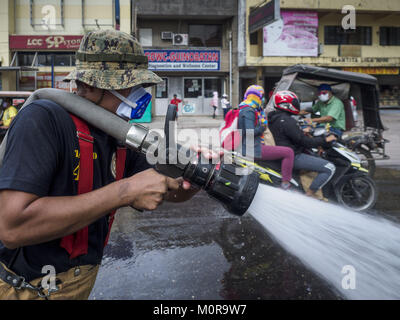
[[77, 244], [120, 168]]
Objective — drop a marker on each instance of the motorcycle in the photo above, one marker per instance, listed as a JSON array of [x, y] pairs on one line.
[[350, 186], [349, 87], [366, 145]]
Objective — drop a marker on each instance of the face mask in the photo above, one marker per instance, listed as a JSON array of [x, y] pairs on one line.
[[133, 106], [324, 97]]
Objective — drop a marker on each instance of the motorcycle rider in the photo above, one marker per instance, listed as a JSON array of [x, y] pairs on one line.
[[287, 133], [252, 117], [331, 109]]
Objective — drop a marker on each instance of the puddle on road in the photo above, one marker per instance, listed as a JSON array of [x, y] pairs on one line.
[[196, 250], [169, 273]]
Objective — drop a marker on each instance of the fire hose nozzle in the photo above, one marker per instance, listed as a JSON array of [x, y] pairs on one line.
[[221, 181]]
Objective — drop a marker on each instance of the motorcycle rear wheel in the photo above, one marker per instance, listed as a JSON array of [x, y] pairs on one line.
[[358, 193]]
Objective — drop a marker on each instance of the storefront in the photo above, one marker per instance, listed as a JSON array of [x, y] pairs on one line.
[[193, 75], [388, 81], [53, 56]]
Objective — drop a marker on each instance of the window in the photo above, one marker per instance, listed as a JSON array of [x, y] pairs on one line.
[[211, 85], [44, 60], [162, 89], [193, 88], [205, 35], [25, 58], [254, 38], [335, 35], [389, 36], [63, 59], [146, 37]]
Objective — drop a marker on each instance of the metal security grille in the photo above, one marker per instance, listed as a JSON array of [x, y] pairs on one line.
[[336, 35]]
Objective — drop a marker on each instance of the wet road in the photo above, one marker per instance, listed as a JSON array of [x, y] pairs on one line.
[[197, 250]]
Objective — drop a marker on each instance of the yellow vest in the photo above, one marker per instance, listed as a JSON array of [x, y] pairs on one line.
[[9, 113]]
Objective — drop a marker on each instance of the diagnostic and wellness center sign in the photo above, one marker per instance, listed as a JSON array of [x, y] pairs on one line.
[[183, 60]]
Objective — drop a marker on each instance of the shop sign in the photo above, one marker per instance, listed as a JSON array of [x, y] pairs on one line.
[[259, 17], [54, 42], [360, 60], [183, 60], [382, 71], [18, 101]]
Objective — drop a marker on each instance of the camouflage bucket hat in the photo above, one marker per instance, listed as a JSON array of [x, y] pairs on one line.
[[112, 60]]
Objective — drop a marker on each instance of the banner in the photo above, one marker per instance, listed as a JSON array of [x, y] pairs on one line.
[[372, 70], [186, 60], [295, 34]]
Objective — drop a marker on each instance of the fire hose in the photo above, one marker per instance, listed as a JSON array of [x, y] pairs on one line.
[[219, 180]]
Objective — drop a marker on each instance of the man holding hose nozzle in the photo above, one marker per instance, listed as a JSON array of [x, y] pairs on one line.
[[287, 133], [61, 178]]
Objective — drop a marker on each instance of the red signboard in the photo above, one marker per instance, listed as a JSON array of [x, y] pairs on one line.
[[53, 42]]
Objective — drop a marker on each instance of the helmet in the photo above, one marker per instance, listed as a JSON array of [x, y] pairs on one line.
[[287, 101], [112, 60], [256, 90]]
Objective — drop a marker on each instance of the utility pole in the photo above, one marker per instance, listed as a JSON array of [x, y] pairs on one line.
[[230, 67]]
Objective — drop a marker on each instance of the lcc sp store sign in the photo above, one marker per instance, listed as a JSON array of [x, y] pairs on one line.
[[55, 42]]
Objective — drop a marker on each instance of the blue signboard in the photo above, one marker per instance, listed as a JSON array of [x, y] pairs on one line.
[[183, 60]]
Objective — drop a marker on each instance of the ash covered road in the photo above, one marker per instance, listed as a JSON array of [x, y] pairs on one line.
[[197, 250]]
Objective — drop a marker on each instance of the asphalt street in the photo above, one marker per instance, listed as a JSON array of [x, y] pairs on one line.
[[197, 250]]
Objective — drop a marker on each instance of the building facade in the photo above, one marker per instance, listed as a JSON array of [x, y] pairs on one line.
[[311, 32], [192, 45], [38, 39]]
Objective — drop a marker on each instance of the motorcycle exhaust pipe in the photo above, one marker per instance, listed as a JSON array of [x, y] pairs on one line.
[[220, 181]]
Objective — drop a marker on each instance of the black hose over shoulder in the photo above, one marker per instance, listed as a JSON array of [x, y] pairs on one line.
[[88, 111], [83, 108]]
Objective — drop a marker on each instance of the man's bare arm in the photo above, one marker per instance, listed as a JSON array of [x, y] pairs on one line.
[[26, 219], [323, 119]]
